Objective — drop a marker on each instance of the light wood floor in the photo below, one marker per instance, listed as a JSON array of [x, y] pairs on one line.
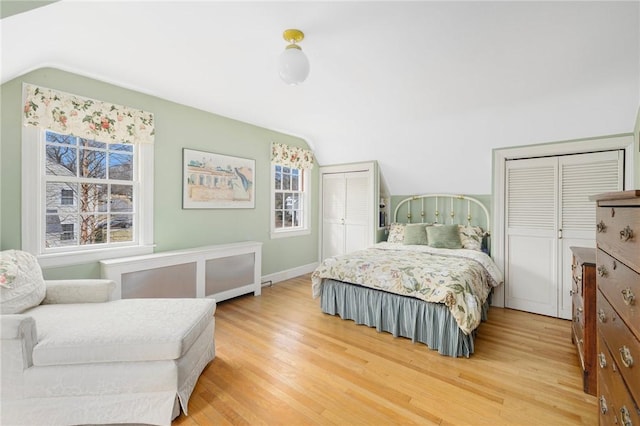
[[280, 361]]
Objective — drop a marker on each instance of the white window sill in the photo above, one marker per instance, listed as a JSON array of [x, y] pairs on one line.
[[292, 233]]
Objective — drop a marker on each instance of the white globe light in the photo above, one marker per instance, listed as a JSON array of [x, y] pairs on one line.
[[293, 65]]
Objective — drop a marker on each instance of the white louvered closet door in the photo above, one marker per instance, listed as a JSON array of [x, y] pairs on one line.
[[548, 211], [530, 246], [582, 176]]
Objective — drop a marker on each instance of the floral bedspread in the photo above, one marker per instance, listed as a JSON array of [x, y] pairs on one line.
[[461, 279]]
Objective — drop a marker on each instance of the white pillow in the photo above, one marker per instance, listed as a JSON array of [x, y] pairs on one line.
[[21, 283]]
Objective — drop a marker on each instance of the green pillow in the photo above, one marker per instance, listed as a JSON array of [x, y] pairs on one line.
[[415, 233], [445, 236]]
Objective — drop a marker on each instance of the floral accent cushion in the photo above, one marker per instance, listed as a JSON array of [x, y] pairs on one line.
[[8, 272], [396, 233], [23, 285], [471, 237]]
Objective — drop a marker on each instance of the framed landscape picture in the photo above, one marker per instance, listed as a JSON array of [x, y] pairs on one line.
[[215, 181]]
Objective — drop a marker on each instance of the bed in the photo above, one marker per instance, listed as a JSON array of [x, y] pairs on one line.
[[431, 281]]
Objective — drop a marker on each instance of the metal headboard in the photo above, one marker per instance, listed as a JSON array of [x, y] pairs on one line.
[[454, 203]]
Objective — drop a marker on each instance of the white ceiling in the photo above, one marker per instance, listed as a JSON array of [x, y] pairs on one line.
[[426, 88]]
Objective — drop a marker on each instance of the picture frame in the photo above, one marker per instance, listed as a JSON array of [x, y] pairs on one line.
[[217, 181]]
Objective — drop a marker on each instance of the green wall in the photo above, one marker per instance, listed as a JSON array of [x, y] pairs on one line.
[[177, 127]]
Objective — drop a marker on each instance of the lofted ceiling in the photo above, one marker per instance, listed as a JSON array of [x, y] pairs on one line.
[[426, 88]]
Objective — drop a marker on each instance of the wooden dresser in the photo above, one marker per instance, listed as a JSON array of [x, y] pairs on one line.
[[618, 306], [583, 326]]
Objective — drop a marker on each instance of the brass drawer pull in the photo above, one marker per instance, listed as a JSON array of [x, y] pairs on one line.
[[602, 317], [625, 416], [628, 296], [600, 226], [625, 356], [602, 271], [603, 405], [602, 360], [626, 234]]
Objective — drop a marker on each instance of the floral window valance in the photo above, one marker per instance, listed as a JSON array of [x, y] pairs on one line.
[[86, 118], [291, 156]]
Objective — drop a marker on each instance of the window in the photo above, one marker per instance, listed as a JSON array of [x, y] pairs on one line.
[[87, 178], [290, 192], [96, 181], [290, 201], [66, 197], [87, 196], [67, 232]]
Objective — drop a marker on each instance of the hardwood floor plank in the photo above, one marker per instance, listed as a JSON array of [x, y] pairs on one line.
[[280, 360]]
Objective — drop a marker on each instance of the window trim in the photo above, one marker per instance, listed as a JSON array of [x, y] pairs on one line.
[[33, 203], [306, 207]]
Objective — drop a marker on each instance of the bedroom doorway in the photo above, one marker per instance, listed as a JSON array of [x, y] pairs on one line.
[[532, 262]]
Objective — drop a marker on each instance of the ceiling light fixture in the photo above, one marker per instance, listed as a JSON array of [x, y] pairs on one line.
[[293, 64]]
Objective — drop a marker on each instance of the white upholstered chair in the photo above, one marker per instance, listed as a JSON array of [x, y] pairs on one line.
[[71, 356]]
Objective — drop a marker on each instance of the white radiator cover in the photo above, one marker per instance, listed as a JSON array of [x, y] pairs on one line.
[[220, 272]]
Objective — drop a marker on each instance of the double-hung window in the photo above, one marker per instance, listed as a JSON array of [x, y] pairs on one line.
[[290, 191], [97, 184], [86, 196]]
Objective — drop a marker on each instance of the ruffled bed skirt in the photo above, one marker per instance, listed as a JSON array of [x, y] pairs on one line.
[[426, 322]]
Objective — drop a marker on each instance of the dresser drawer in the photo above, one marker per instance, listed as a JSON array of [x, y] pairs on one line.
[[615, 403], [621, 286], [618, 233], [624, 346]]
